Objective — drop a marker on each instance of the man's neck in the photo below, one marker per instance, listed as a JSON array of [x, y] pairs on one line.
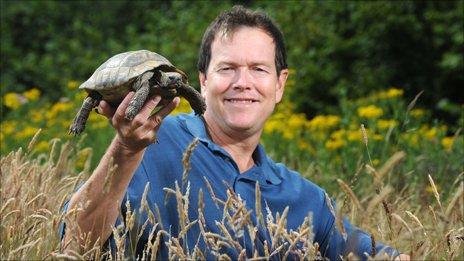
[[238, 145]]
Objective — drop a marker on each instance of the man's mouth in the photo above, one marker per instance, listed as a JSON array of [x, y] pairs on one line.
[[241, 100]]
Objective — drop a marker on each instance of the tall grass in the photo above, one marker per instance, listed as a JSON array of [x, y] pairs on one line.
[[35, 186]]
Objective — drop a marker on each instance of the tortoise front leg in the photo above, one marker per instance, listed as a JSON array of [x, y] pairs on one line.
[[194, 98], [142, 89], [89, 103]]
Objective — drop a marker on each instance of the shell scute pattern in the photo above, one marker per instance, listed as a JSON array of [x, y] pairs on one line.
[[146, 73]]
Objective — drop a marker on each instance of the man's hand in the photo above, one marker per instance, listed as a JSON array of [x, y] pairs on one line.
[[133, 136]]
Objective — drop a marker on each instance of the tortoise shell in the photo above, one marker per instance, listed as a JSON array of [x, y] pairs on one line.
[[113, 79]]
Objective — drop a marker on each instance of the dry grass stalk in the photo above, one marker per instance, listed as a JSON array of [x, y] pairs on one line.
[[349, 192], [111, 169], [413, 102], [391, 163], [435, 191], [401, 220], [33, 141], [365, 140], [33, 191], [378, 199], [258, 208], [414, 217], [457, 196], [186, 160]]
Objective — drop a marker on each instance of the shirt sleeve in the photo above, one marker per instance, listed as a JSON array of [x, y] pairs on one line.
[[336, 245]]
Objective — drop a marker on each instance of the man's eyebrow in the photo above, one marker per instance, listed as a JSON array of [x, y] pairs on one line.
[[226, 63], [258, 63], [255, 63]]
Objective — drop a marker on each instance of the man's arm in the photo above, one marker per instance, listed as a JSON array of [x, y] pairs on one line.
[[97, 202]]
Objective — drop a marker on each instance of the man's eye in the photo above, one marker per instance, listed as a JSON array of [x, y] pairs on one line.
[[259, 69], [226, 69]]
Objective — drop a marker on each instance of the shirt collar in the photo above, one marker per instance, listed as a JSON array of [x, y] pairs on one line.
[[196, 126]]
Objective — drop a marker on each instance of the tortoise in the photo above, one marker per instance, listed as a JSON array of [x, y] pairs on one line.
[[145, 72]]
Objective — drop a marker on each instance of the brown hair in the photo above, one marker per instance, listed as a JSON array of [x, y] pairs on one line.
[[231, 20]]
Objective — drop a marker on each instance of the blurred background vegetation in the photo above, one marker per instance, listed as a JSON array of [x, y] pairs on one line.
[[351, 63], [338, 49]]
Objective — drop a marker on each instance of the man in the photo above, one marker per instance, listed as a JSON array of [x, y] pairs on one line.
[[242, 71]]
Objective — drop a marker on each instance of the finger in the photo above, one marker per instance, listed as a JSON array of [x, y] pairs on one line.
[[105, 109], [164, 111], [149, 106], [150, 136], [154, 121], [121, 110]]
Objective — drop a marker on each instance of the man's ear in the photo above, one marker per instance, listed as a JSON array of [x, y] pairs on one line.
[[280, 85], [202, 78]]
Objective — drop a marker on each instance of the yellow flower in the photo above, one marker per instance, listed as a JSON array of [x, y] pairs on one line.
[[431, 133], [386, 124], [430, 189], [303, 145], [323, 122], [333, 144], [8, 127], [375, 162], [27, 132], [58, 108], [417, 113], [12, 100], [32, 94], [411, 138], [288, 133], [65, 123], [447, 143], [41, 146], [377, 137], [80, 96], [73, 85], [296, 121], [36, 116], [184, 107], [394, 92], [370, 111], [354, 135], [338, 134], [96, 121], [271, 126], [82, 157]]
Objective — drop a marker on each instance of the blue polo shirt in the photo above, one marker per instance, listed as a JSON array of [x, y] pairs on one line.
[[280, 187]]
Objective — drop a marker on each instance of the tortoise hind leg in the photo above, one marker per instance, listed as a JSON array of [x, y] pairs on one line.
[[194, 98], [89, 103], [142, 87]]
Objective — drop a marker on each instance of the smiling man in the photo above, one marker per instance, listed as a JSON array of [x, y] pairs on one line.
[[242, 70]]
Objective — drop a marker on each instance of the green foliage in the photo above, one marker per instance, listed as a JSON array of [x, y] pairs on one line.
[[339, 49], [349, 49], [48, 43]]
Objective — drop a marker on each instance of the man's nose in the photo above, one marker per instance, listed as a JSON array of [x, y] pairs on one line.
[[242, 79]]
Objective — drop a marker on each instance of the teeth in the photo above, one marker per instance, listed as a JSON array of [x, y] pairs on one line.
[[239, 101]]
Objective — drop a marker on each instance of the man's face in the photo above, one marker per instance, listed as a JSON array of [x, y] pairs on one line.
[[241, 85]]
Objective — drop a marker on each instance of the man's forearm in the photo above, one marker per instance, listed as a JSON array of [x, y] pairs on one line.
[[97, 201]]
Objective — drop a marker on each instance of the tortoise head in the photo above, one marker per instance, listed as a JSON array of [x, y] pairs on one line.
[[171, 80]]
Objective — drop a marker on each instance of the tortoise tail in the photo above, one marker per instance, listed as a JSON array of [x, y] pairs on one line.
[[89, 103], [194, 98]]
